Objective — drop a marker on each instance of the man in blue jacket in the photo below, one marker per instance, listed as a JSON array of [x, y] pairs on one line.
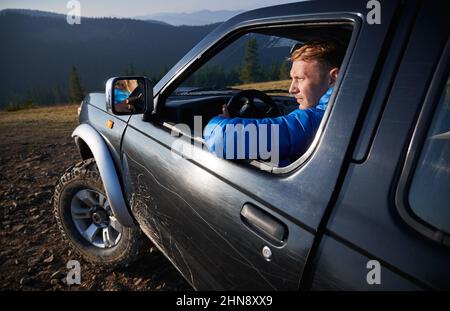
[[315, 67]]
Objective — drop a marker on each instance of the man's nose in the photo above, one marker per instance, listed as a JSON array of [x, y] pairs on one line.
[[293, 89]]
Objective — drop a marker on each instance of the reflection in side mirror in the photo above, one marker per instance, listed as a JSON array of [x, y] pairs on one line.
[[127, 95]]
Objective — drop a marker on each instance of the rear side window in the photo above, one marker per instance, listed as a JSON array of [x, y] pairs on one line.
[[429, 193]]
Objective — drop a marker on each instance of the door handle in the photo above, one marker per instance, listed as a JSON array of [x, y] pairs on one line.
[[264, 223]]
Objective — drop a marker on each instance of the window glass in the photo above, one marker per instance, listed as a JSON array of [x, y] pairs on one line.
[[254, 61], [429, 195]]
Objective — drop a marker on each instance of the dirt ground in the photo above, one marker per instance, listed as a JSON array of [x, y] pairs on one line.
[[35, 150]]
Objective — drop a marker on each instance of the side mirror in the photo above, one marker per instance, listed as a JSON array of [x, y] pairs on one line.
[[129, 95]]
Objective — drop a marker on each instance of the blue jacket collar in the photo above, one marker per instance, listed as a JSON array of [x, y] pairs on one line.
[[323, 101]]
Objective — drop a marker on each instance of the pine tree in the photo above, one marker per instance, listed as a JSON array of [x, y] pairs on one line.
[[130, 70], [58, 95], [233, 76], [284, 71], [250, 69], [76, 92], [273, 72]]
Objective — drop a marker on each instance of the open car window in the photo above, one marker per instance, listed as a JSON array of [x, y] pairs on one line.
[[254, 61], [258, 60]]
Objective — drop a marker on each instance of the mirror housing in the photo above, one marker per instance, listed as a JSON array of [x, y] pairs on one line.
[[127, 95]]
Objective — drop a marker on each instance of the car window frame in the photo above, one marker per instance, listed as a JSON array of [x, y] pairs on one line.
[[228, 39], [415, 149]]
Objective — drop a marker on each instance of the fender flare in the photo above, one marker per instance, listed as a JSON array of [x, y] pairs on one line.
[[107, 171]]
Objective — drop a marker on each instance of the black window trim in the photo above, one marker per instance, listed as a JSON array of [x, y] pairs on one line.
[[317, 19], [415, 148]]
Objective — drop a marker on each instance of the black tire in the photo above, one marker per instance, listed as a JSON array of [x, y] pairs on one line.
[[85, 175]]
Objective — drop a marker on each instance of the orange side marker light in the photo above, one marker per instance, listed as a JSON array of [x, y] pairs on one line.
[[110, 124]]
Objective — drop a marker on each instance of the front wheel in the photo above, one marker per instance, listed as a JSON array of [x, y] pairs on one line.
[[85, 218]]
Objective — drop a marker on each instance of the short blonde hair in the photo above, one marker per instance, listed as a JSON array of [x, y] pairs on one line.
[[127, 85], [328, 52], [121, 84], [131, 85]]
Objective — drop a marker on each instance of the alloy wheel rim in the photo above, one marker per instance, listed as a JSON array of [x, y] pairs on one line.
[[94, 220]]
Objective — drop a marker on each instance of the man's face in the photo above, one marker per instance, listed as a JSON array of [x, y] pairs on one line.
[[310, 80]]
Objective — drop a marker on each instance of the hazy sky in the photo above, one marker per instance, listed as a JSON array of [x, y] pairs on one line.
[[128, 8]]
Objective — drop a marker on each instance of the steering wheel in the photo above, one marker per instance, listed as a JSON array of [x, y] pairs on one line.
[[136, 99], [243, 105]]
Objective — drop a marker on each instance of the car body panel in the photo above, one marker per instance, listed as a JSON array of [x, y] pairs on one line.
[[348, 269], [194, 218], [94, 114], [366, 205]]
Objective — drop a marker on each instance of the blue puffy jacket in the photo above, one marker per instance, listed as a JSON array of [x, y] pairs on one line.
[[120, 95], [296, 131]]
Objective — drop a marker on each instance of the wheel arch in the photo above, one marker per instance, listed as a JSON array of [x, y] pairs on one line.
[[83, 148], [92, 145]]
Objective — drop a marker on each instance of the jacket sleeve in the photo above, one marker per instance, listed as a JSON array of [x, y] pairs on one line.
[[289, 135]]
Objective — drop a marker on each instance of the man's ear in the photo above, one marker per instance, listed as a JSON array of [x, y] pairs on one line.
[[333, 74]]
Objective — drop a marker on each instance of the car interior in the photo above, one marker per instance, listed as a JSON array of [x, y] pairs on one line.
[[186, 102]]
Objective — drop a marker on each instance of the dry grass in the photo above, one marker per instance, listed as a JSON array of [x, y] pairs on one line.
[[37, 125], [64, 113], [268, 87]]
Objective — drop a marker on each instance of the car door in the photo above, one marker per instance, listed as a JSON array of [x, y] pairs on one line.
[[228, 225], [392, 210]]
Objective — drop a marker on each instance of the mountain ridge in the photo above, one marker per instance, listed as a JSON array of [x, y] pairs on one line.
[[197, 18], [39, 49]]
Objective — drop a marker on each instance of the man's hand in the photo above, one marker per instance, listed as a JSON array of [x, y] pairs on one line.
[[225, 112], [126, 105]]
